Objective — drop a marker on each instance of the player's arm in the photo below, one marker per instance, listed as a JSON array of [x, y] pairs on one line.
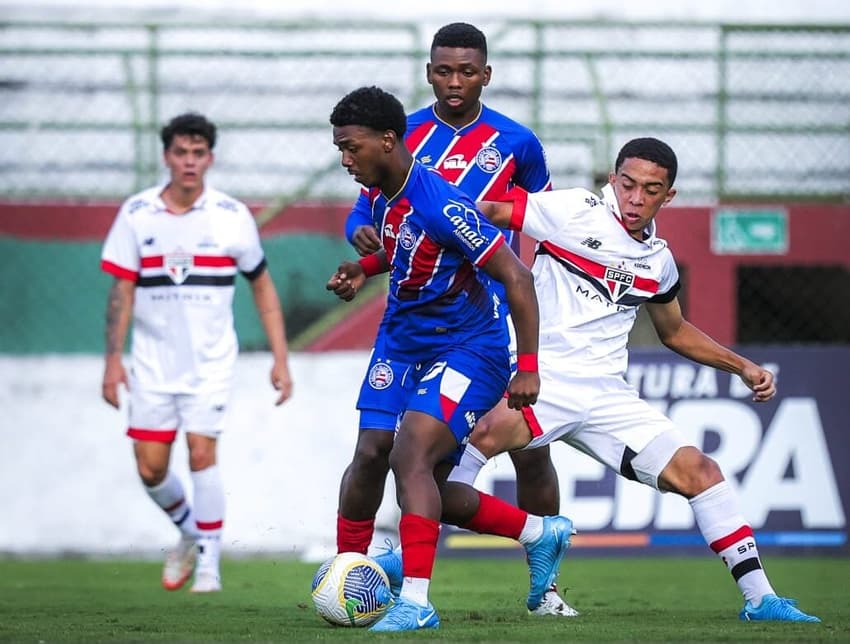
[[119, 312], [351, 276], [359, 228], [679, 335], [274, 324], [498, 213], [506, 267]]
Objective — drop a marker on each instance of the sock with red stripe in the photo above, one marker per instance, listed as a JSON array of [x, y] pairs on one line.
[[171, 497], [730, 537], [418, 537], [354, 536], [209, 515]]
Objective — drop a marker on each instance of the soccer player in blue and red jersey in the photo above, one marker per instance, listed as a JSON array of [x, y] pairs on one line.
[[485, 154], [441, 357]]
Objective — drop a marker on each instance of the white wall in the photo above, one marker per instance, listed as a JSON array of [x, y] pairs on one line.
[[67, 474]]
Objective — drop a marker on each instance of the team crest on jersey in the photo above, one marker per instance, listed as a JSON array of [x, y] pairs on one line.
[[618, 281], [380, 375], [406, 238], [489, 159], [178, 266]]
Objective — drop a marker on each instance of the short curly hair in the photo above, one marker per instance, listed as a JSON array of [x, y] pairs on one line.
[[371, 107], [650, 149], [460, 34], [190, 123]]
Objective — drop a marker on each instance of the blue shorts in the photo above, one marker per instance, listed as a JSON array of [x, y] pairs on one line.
[[383, 394], [457, 388]]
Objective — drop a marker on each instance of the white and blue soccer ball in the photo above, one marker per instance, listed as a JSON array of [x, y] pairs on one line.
[[351, 589]]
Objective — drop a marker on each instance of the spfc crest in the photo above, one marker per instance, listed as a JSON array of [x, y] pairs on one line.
[[618, 281], [178, 266]]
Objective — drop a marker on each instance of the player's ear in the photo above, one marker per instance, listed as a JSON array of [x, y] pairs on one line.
[[388, 140], [428, 73], [488, 72], [670, 194]]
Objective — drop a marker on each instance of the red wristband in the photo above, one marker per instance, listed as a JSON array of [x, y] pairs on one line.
[[371, 264], [526, 362]]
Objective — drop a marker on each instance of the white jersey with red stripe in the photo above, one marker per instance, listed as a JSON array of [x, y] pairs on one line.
[[591, 276], [184, 267]]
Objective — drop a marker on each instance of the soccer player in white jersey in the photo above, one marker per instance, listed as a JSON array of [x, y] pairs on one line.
[[597, 261], [174, 251]]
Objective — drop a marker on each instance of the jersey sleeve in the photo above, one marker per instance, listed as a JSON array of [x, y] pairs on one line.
[[532, 170], [120, 254], [248, 251], [360, 215], [542, 214], [668, 284], [462, 227]]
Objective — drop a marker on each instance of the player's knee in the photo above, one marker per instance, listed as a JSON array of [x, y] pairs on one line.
[[691, 472], [151, 474], [373, 453]]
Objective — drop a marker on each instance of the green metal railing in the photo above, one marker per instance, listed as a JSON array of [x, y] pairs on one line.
[[82, 103]]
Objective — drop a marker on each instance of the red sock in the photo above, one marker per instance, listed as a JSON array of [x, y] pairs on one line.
[[353, 536], [418, 536], [495, 516]]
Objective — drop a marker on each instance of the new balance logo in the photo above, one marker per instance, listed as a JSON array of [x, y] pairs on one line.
[[590, 242]]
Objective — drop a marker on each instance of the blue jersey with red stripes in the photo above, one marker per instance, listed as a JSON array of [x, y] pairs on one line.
[[436, 240], [485, 158]]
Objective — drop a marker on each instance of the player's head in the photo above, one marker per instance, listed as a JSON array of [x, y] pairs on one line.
[[643, 178], [458, 71], [189, 124], [368, 129], [188, 140]]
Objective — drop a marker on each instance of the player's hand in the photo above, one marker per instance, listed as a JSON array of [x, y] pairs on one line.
[[347, 280], [760, 380], [365, 240], [523, 389], [282, 381], [113, 375]]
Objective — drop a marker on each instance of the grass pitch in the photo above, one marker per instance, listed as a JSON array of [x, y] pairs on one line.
[[267, 600]]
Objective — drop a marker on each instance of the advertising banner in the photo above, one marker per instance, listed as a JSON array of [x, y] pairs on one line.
[[787, 459]]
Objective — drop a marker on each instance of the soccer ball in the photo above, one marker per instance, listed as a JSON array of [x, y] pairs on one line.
[[351, 589]]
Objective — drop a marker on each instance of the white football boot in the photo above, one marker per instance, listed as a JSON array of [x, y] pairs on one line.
[[553, 604], [179, 564]]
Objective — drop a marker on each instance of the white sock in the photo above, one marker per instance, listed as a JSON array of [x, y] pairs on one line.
[[170, 496], [532, 530], [727, 533], [209, 501], [209, 554], [471, 462], [415, 589]]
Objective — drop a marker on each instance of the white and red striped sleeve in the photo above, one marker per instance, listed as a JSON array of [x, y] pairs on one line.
[[120, 255]]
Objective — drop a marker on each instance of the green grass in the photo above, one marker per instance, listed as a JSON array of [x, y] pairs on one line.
[[659, 599]]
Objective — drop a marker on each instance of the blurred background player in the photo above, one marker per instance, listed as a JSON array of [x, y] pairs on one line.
[[441, 354], [599, 260], [485, 154], [174, 251]]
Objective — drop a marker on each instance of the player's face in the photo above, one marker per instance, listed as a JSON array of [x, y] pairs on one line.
[[364, 153], [641, 187], [188, 158], [457, 75]]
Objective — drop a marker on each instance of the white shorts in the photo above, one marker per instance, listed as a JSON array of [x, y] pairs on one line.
[[156, 416], [604, 417]]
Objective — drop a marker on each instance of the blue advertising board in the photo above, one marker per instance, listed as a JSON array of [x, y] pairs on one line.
[[788, 460]]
